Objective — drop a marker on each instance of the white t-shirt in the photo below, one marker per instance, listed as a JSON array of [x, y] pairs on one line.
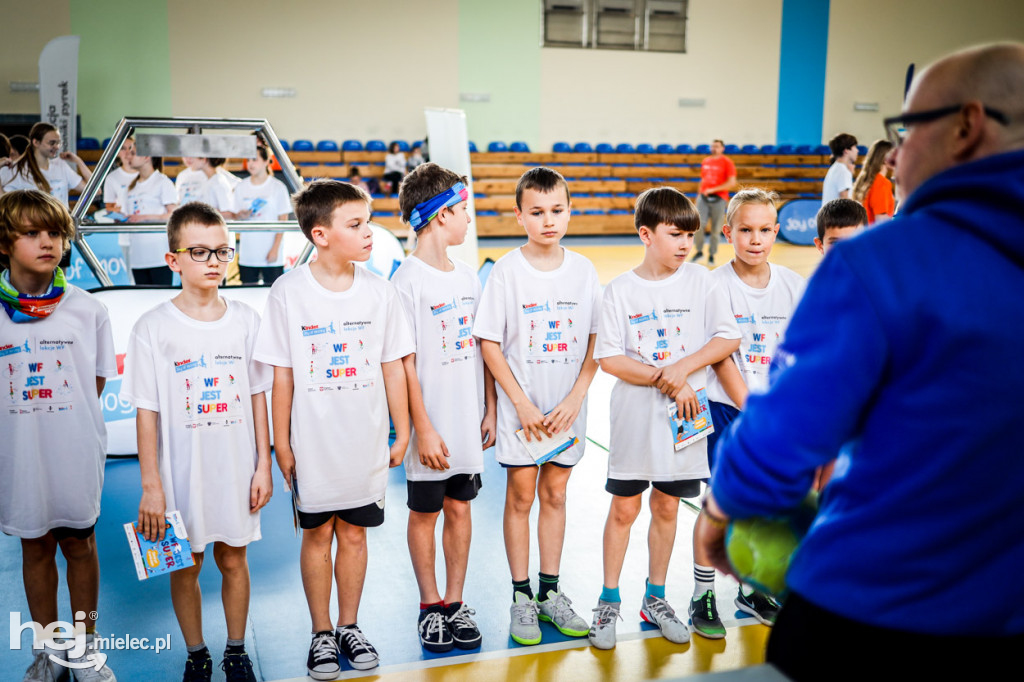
[[335, 343], [232, 179], [54, 439], [255, 245], [440, 307], [149, 197], [116, 183], [189, 184], [217, 192], [837, 179], [543, 321], [658, 323], [61, 176], [200, 377], [762, 316]]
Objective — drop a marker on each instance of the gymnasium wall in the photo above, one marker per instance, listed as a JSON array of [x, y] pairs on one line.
[[366, 69]]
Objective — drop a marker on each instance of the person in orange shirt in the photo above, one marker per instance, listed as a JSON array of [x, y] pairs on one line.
[[872, 188], [717, 179]]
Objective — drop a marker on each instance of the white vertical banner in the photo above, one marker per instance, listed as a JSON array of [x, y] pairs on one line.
[[58, 88], [449, 147]]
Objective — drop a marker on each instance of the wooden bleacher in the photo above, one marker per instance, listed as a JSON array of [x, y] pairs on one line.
[[598, 182]]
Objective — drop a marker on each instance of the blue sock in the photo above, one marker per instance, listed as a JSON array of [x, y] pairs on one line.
[[610, 594], [655, 591]]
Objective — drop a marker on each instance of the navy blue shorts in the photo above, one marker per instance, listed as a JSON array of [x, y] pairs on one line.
[[721, 416]]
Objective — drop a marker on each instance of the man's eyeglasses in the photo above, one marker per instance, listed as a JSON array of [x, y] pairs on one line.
[[201, 254], [896, 126]]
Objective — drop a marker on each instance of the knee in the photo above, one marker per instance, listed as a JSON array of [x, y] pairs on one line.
[[519, 501], [552, 497], [456, 511], [664, 508], [352, 536], [230, 559], [76, 549], [319, 537], [38, 549], [624, 510]]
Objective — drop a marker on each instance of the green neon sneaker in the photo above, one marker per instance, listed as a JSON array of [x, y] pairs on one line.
[[524, 628], [704, 617], [557, 610]]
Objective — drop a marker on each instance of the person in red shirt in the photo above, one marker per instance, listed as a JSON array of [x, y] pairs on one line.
[[717, 179], [872, 188]]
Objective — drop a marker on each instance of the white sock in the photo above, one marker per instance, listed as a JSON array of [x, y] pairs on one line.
[[703, 580]]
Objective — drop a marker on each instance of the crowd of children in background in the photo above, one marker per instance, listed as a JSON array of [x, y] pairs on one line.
[[343, 350]]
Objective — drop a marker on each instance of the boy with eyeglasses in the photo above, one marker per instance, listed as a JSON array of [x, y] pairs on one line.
[[203, 436]]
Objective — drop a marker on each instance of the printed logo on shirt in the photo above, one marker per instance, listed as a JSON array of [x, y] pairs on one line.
[[315, 329], [442, 308], [188, 364], [745, 319], [341, 365], [226, 360], [47, 345], [216, 395], [640, 318], [675, 312], [553, 340], [39, 386], [566, 305], [11, 349], [455, 331], [531, 308]]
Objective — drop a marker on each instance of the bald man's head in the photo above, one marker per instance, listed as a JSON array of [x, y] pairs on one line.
[[987, 76]]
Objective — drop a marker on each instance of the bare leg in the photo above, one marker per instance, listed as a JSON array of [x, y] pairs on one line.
[[458, 530], [420, 535], [234, 591], [315, 561], [519, 493], [188, 601], [621, 515], [39, 574], [349, 570], [551, 520], [662, 536]]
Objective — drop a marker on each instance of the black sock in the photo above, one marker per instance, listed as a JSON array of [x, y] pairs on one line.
[[548, 584], [199, 655], [521, 586], [234, 649]]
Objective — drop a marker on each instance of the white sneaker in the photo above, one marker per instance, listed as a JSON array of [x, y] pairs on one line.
[[602, 631], [94, 664], [45, 670], [656, 611]]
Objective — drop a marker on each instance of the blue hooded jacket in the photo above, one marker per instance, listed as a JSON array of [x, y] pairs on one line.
[[902, 356]]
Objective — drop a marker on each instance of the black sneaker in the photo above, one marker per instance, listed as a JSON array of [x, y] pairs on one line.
[[711, 260], [198, 669], [465, 633], [697, 256], [433, 626], [759, 605], [238, 668], [322, 662], [704, 617], [356, 648]]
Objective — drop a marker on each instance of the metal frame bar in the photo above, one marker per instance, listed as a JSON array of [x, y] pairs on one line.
[[124, 130]]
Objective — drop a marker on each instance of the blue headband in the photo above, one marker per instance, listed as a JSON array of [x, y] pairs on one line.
[[428, 210]]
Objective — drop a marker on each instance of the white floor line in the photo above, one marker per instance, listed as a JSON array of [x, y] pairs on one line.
[[503, 653]]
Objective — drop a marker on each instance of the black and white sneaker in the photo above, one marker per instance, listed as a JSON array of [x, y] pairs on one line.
[[434, 634], [322, 662], [465, 633], [356, 648], [759, 605]]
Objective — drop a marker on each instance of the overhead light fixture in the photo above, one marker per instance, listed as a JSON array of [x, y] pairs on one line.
[[278, 92], [23, 86], [865, 106], [692, 102], [475, 96]]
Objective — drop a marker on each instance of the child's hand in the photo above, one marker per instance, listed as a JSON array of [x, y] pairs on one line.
[[68, 156], [564, 414], [286, 463], [673, 378], [397, 453], [136, 218], [532, 420], [489, 429], [244, 214], [272, 254], [686, 403], [152, 509], [260, 490], [433, 451]]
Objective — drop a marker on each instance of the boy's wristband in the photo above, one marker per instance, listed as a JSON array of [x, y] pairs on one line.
[[713, 519]]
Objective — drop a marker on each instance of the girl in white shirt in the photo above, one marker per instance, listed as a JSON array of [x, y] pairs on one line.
[[394, 167], [261, 197], [149, 198], [119, 178], [43, 166]]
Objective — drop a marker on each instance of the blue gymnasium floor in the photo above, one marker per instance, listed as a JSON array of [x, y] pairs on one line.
[[278, 632]]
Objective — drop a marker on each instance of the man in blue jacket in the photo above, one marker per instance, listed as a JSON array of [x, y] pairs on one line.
[[902, 360]]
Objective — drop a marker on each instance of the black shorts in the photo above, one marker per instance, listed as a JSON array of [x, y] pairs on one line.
[[63, 533], [687, 488], [368, 516], [427, 497], [523, 466]]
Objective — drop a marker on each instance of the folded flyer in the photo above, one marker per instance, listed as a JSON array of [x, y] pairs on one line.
[[548, 447], [686, 432], [161, 556]]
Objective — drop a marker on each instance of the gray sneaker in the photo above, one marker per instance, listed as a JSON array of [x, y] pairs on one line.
[[97, 671], [557, 610], [43, 669], [524, 628], [656, 611], [602, 631]]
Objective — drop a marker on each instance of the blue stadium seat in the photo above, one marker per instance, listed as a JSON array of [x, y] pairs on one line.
[[823, 150], [472, 146], [703, 149], [593, 211], [519, 147], [497, 147], [582, 148], [403, 146], [862, 150], [684, 149], [625, 148], [750, 149], [604, 148], [285, 146], [804, 149], [732, 149], [768, 149], [618, 211], [376, 146], [645, 148], [352, 146], [106, 142], [303, 146], [561, 148], [327, 146], [785, 149], [665, 149], [88, 144]]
